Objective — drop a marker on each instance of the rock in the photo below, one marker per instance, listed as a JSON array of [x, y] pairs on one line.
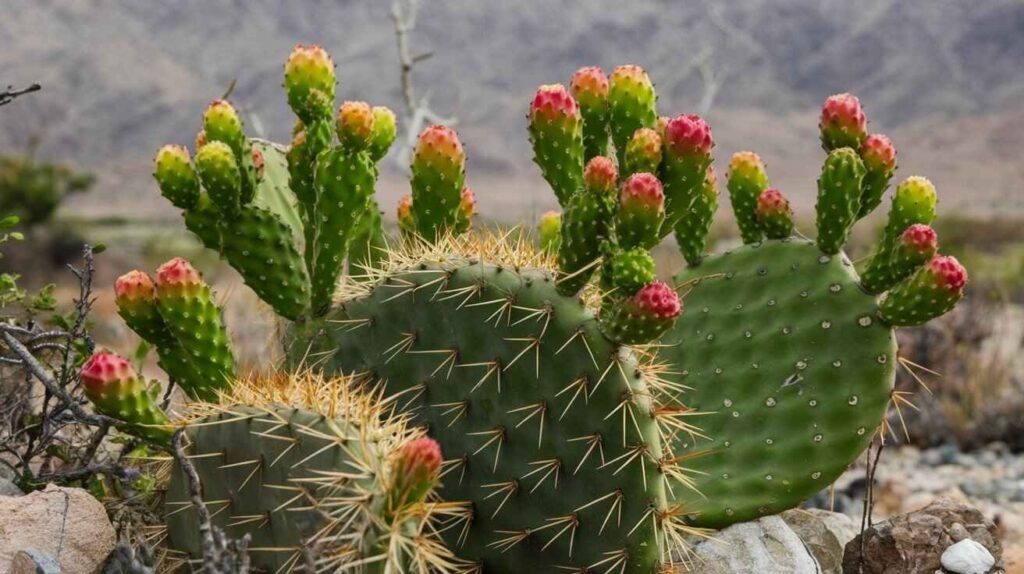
[[34, 562], [66, 523], [794, 542], [8, 488], [913, 543], [967, 557], [824, 533]]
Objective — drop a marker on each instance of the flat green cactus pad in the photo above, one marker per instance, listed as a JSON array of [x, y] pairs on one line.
[[786, 354]]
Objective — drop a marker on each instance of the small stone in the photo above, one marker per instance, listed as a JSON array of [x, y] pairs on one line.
[[967, 557]]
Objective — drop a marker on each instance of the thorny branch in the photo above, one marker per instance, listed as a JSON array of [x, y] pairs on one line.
[[7, 96], [418, 111], [869, 499]]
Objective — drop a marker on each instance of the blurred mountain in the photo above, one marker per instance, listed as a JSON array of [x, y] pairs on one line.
[[121, 77]]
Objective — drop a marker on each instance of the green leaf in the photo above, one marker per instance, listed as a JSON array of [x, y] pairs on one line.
[[9, 221], [99, 248], [44, 300]]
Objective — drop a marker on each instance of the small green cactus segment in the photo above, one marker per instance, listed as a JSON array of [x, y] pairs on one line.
[[369, 244], [220, 175], [643, 153], [641, 212], [687, 157], [842, 123], [789, 362], [694, 227], [879, 157], [775, 214], [309, 82], [631, 269], [497, 364], [631, 106], [549, 229], [556, 133], [438, 175], [746, 180], [914, 202], [586, 225], [643, 317], [839, 190], [344, 182], [589, 87], [222, 124], [931, 292], [176, 177], [384, 131], [187, 307], [116, 391], [292, 473]]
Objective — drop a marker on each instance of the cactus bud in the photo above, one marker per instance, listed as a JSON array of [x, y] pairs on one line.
[[175, 176], [842, 123], [438, 173], [200, 140], [631, 106], [355, 125], [219, 173], [467, 208], [590, 88], [746, 180], [222, 124], [643, 317], [631, 269], [879, 157], [135, 296], [556, 132], [116, 391], [774, 213], [641, 211], [643, 153], [384, 131], [550, 230], [913, 202], [406, 223], [932, 291], [687, 154], [415, 471], [600, 177], [309, 81]]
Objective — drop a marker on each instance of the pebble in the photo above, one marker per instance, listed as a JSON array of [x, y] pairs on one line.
[[967, 557]]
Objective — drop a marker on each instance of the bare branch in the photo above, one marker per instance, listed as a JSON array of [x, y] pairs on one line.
[[7, 96]]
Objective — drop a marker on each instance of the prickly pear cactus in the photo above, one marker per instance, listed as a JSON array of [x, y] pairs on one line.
[[299, 460], [552, 430]]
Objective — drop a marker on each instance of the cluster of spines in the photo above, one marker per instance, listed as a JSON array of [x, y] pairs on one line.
[[178, 316]]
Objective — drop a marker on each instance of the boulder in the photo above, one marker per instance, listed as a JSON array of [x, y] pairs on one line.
[[913, 543], [67, 524]]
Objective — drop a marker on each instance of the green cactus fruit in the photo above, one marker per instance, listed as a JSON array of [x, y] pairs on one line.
[[842, 123], [299, 461], [631, 106], [933, 291], [135, 296], [694, 227], [355, 125], [177, 179], [384, 131], [221, 123], [643, 152], [221, 178], [586, 225], [790, 368], [116, 391], [918, 244], [187, 307], [687, 156], [369, 243], [913, 202], [438, 174], [644, 316], [467, 209], [879, 157], [589, 87], [556, 133], [548, 427], [775, 214], [309, 81], [839, 189], [405, 216], [746, 180], [631, 269], [549, 229], [344, 183], [641, 212]]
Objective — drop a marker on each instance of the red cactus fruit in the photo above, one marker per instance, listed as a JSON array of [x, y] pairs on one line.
[[949, 274], [416, 469], [771, 202], [842, 123], [177, 271], [878, 153], [467, 202], [642, 189], [601, 176], [920, 238], [103, 370], [589, 86], [355, 124], [257, 161], [441, 143], [658, 300], [134, 286], [552, 102], [688, 135]]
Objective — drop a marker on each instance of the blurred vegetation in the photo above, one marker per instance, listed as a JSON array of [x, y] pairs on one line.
[[32, 189]]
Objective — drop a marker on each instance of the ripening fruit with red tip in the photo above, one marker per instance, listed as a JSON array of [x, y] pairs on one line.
[[104, 369], [601, 176], [920, 238], [643, 317], [115, 390], [177, 271], [133, 286], [309, 82], [933, 290], [949, 274], [642, 189], [414, 472], [878, 153], [355, 124], [842, 123], [658, 300], [553, 103], [688, 136], [774, 214], [589, 86], [467, 202]]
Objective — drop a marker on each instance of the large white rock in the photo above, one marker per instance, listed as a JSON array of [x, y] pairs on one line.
[[65, 523], [967, 557]]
